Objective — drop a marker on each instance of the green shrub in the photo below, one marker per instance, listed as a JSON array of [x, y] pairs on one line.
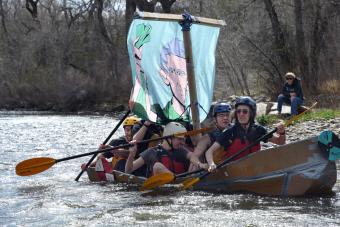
[[321, 114], [267, 119]]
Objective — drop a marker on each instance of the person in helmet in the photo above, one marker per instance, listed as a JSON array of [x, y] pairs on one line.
[[117, 155], [221, 113], [243, 133], [169, 156], [135, 130]]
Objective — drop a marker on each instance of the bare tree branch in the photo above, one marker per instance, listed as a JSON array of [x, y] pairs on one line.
[[32, 7]]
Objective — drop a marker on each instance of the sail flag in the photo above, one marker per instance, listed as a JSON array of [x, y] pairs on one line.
[[157, 57]]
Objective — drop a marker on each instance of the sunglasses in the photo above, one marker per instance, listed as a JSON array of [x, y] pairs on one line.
[[244, 111], [289, 78]]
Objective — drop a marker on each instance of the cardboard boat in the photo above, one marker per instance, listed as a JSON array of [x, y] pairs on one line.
[[297, 169]]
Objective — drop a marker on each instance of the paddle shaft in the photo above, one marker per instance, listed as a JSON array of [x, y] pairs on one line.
[[105, 141], [188, 173], [193, 132], [93, 152]]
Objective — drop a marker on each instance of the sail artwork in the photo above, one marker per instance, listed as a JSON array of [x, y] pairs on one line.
[[157, 55]]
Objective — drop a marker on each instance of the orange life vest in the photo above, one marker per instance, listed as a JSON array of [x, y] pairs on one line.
[[167, 159], [237, 145], [237, 138]]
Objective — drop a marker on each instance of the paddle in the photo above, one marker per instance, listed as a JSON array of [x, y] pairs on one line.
[[164, 178], [105, 141], [37, 165], [190, 182], [159, 180]]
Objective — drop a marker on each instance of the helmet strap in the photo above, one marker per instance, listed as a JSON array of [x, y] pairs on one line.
[[168, 141]]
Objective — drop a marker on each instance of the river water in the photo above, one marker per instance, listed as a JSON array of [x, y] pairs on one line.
[[53, 198]]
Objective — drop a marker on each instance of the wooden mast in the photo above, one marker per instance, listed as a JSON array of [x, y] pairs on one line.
[[186, 26], [185, 21]]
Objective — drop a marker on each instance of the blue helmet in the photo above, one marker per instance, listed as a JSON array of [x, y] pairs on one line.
[[221, 107]]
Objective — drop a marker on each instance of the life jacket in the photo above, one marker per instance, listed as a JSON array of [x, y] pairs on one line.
[[219, 156], [241, 139], [168, 160], [116, 158], [214, 135], [237, 145]]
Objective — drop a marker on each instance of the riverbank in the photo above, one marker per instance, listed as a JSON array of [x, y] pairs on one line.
[[302, 130], [99, 109]]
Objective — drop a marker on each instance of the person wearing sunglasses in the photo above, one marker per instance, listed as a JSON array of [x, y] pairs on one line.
[[221, 113], [244, 132], [291, 94]]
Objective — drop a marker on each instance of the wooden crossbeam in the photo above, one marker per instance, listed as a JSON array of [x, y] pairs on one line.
[[176, 17]]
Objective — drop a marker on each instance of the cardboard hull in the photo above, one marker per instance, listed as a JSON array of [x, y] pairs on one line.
[[297, 169]]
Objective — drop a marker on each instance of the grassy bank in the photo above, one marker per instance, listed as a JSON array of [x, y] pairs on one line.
[[318, 114]]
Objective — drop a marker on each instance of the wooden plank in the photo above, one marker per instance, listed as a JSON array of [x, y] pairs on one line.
[[176, 17], [191, 80]]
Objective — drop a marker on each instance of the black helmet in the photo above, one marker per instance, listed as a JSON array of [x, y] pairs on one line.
[[246, 100], [221, 107]]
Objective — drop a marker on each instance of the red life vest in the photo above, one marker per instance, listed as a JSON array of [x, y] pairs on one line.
[[237, 145], [165, 157]]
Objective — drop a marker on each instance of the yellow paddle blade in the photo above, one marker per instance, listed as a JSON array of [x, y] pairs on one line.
[[189, 182], [157, 180], [296, 117], [34, 166]]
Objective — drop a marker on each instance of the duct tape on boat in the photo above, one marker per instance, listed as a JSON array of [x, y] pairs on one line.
[[99, 166], [110, 177]]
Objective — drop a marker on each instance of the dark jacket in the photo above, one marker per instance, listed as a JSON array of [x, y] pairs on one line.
[[295, 87]]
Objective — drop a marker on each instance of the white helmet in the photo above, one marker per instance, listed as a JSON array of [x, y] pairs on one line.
[[173, 128]]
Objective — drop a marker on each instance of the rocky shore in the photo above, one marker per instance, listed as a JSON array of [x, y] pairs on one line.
[[303, 130], [307, 129]]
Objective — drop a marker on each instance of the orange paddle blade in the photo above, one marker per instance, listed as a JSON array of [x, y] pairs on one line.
[[193, 132], [34, 166], [189, 182], [157, 180]]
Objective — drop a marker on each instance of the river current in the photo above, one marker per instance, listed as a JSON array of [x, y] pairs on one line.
[[53, 198]]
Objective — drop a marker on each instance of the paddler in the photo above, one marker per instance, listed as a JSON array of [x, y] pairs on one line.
[[243, 132], [169, 156], [221, 113]]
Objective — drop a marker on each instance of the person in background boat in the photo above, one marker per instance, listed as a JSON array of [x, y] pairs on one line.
[[221, 114], [144, 131], [291, 94], [169, 156], [243, 133], [119, 154], [135, 130]]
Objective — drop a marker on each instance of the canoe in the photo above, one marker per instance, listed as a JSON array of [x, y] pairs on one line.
[[297, 169]]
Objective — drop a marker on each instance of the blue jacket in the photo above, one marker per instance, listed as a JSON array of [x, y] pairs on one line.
[[295, 87]]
